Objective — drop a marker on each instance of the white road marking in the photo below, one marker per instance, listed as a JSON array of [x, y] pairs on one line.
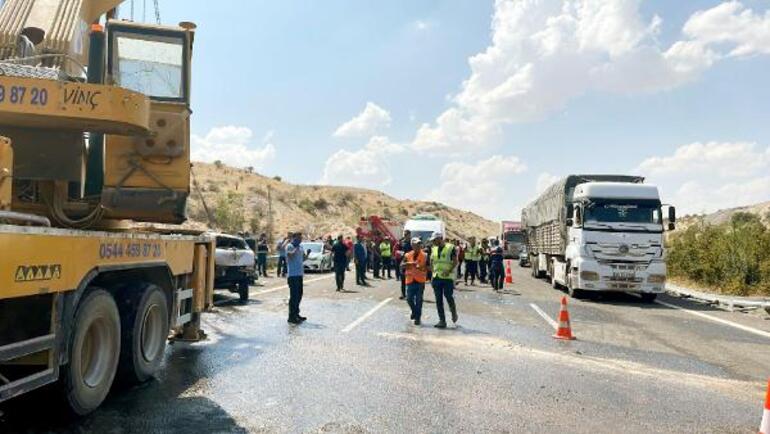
[[544, 315], [278, 288], [718, 320], [363, 317]]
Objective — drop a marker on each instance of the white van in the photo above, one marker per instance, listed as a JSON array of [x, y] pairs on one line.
[[424, 225]]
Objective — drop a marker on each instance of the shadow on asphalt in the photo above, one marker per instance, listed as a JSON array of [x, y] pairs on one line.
[[155, 406]]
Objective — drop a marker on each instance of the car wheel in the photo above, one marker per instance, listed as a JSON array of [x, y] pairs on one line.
[[243, 292]]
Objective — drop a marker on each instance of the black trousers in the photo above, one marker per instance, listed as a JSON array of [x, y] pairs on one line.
[[360, 273], [281, 266], [262, 264], [339, 274], [376, 266], [471, 268], [496, 276], [483, 271], [387, 264], [295, 295]]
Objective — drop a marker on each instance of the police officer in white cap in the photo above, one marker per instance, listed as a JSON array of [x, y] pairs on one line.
[[443, 260]]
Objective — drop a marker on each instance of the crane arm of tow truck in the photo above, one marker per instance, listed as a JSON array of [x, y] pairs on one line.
[[53, 27]]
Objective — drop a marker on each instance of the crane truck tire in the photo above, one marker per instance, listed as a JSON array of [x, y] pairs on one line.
[[144, 326], [94, 351]]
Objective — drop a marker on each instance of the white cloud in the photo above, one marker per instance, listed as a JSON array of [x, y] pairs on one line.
[[367, 123], [705, 177], [366, 167], [423, 25], [481, 187], [731, 23], [545, 53], [232, 146], [544, 180]]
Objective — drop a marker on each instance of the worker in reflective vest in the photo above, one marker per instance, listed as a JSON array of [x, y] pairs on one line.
[[443, 260], [415, 266], [472, 258], [386, 254]]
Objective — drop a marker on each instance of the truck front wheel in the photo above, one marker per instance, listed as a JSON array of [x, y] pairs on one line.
[[94, 351], [145, 331], [573, 292]]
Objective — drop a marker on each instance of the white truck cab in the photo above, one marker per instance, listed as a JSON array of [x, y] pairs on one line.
[[593, 233]]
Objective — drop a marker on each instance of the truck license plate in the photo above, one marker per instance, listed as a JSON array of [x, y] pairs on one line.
[[623, 275]]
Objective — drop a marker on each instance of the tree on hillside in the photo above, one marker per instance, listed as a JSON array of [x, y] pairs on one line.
[[228, 212]]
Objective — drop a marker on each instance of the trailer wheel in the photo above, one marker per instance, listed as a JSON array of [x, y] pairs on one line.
[[243, 291], [145, 331], [94, 352]]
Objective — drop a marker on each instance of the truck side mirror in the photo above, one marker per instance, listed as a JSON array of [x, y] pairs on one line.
[[570, 209], [569, 222], [671, 226], [671, 214]]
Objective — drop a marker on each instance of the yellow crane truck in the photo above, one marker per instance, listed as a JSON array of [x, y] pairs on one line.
[[94, 160]]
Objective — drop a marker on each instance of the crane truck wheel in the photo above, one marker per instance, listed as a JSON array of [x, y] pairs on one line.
[[94, 351], [145, 326]]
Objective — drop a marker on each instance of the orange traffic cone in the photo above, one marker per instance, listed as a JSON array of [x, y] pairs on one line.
[[764, 427], [508, 272], [565, 330]]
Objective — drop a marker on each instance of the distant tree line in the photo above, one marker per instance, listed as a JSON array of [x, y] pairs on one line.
[[733, 257]]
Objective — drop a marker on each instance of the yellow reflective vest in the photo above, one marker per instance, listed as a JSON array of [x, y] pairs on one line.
[[441, 262], [385, 249]]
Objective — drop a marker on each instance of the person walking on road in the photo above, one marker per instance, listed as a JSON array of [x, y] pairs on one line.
[[472, 258], [415, 270], [360, 257], [484, 260], [443, 260], [405, 247], [281, 248], [386, 254], [349, 245], [262, 251], [376, 262], [295, 261], [340, 258], [496, 272]]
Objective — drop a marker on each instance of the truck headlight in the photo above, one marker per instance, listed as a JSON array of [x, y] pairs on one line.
[[589, 275], [656, 278]]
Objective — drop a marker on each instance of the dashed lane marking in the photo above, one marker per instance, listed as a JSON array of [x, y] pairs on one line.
[[278, 288], [752, 330], [545, 316], [363, 317]]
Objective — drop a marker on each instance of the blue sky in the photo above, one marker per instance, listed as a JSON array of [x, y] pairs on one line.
[[673, 90]]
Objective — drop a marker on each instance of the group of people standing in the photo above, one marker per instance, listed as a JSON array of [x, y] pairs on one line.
[[441, 262], [482, 260]]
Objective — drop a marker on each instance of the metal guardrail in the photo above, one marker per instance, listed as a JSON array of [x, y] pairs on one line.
[[728, 302]]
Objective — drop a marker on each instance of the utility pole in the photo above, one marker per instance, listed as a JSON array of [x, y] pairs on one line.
[[269, 216]]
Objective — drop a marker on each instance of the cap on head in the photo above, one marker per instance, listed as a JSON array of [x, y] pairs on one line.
[[416, 240]]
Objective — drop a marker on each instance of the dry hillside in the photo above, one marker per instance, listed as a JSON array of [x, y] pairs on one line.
[[317, 210], [725, 215]]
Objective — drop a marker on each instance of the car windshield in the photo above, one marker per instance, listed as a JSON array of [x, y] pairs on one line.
[[623, 212], [312, 247], [423, 235], [230, 243]]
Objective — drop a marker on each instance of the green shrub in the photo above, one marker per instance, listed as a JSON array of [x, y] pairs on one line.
[[228, 212], [732, 257]]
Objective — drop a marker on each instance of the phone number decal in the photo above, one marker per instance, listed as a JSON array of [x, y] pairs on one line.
[[23, 95], [130, 250]]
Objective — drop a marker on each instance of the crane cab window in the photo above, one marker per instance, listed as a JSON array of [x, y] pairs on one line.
[[149, 61]]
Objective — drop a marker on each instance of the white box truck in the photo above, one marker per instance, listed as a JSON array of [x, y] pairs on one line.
[[592, 233], [424, 225]]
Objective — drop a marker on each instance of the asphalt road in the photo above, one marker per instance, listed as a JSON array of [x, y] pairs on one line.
[[358, 365]]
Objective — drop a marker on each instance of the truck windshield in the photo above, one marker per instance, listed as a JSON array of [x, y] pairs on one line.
[[423, 235], [149, 64], [623, 212], [514, 237]]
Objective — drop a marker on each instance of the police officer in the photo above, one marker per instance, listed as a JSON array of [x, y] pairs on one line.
[[443, 260], [484, 261]]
